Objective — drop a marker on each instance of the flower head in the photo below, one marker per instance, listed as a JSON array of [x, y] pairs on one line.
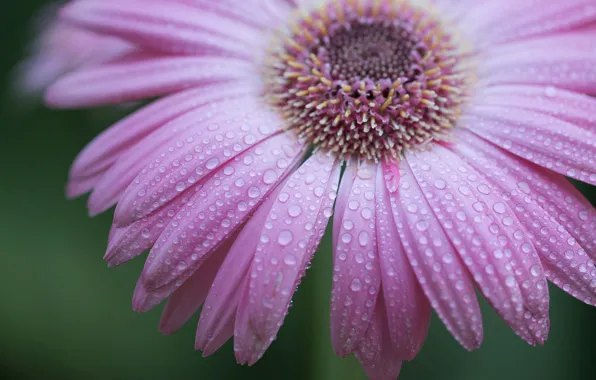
[[455, 123]]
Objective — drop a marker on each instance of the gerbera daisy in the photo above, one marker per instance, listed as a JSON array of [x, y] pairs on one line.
[[455, 121]]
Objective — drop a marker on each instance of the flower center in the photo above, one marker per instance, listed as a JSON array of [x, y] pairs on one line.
[[367, 50], [367, 78]]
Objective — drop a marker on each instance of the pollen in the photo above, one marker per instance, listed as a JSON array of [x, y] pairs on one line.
[[369, 79]]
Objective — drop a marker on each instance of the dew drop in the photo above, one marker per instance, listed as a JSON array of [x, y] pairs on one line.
[[346, 238], [510, 281], [290, 260], [535, 270], [254, 192], [363, 238], [499, 207], [212, 163], [356, 285], [270, 176], [285, 237], [440, 184], [294, 211]]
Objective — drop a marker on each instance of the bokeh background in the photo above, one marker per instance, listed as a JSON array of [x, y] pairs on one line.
[[64, 315]]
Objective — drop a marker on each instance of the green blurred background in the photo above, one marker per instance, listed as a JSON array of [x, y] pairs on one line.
[[63, 314]]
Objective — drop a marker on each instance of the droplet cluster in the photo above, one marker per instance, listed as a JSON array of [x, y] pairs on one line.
[[367, 78]]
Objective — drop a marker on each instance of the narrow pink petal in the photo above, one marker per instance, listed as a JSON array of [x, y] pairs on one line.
[[139, 296], [277, 11], [437, 265], [565, 261], [288, 240], [40, 71], [376, 352], [532, 62], [109, 189], [106, 148], [141, 78], [356, 272], [59, 48], [220, 335], [507, 270], [408, 310], [506, 20], [216, 324], [190, 237], [81, 185], [248, 11], [572, 107], [183, 163], [544, 140], [185, 301], [128, 242], [341, 205], [141, 235], [216, 209], [551, 191], [183, 29], [456, 9]]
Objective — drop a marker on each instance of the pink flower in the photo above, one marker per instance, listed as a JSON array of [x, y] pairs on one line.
[[61, 48], [457, 122]]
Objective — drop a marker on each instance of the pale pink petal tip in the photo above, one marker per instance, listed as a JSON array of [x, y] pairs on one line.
[[61, 48]]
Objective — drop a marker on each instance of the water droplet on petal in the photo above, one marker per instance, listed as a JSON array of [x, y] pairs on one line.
[[363, 238], [290, 259], [285, 237], [212, 163], [294, 210], [356, 285], [270, 176]]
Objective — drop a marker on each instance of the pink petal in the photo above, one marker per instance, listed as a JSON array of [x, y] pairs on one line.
[[109, 189], [408, 310], [291, 235], [185, 301], [142, 77], [512, 20], [277, 11], [546, 141], [459, 8], [106, 148], [208, 147], [238, 205], [247, 12], [507, 270], [341, 204], [216, 324], [572, 107], [80, 185], [356, 272], [565, 261], [220, 206], [551, 191], [220, 227], [61, 48], [183, 29], [437, 265], [128, 242], [376, 352], [532, 62], [139, 236]]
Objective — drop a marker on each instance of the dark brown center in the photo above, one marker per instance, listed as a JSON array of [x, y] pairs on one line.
[[372, 51]]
